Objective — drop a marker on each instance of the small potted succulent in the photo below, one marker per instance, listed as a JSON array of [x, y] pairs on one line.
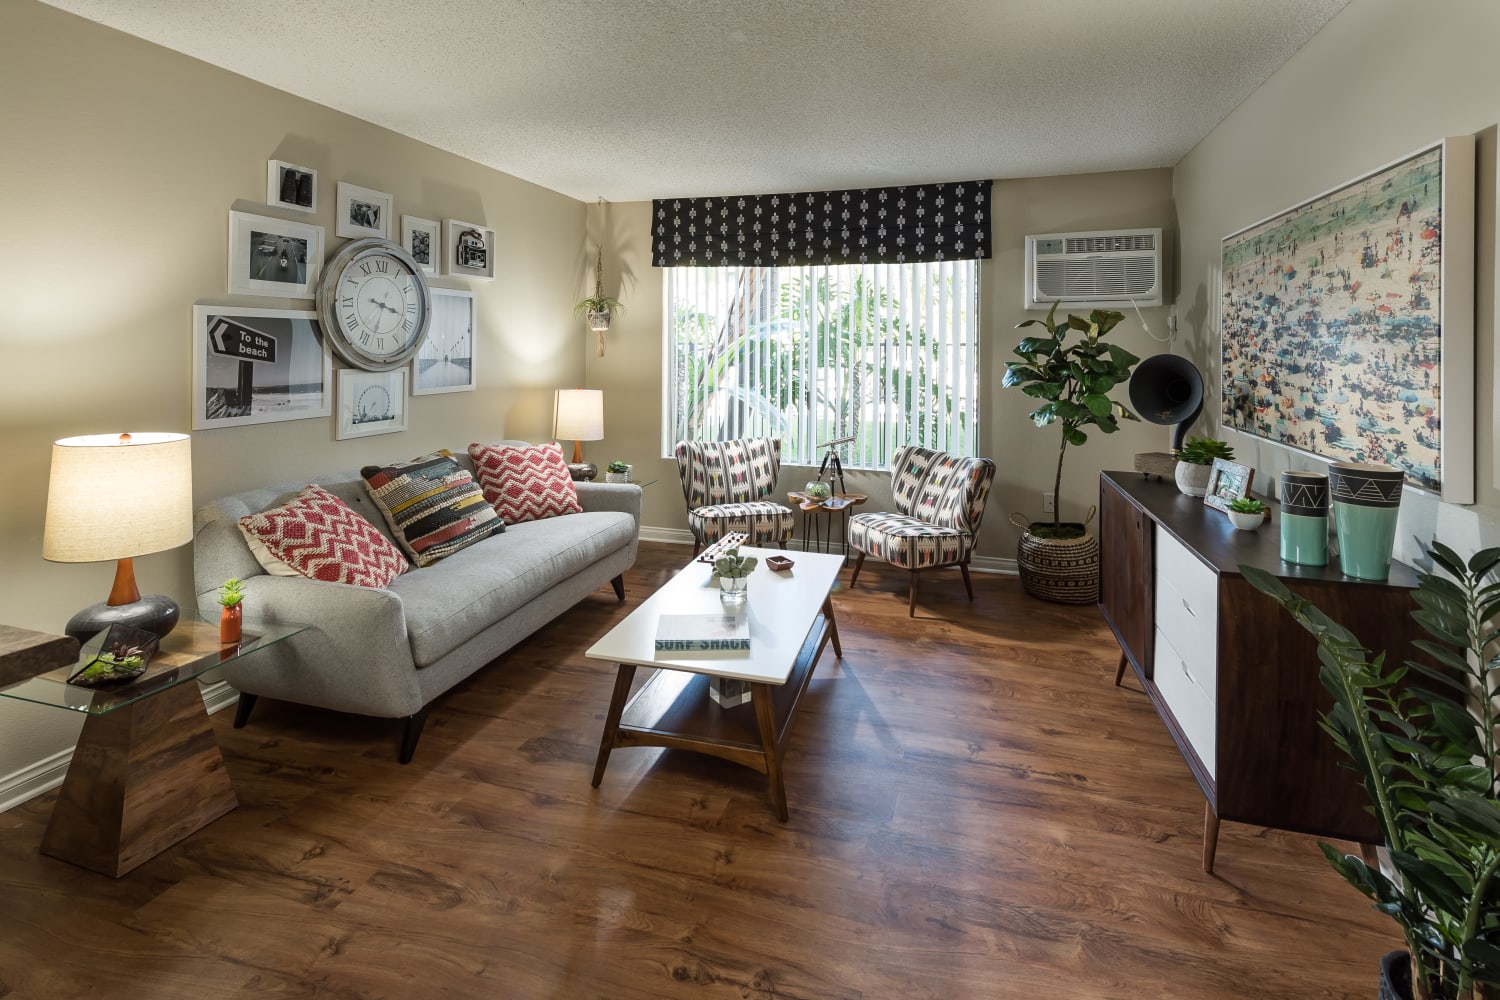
[[120, 653], [230, 596], [1195, 463], [732, 570], [617, 472], [817, 491], [1247, 513]]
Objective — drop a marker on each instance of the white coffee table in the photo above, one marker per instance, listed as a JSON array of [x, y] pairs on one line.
[[791, 619]]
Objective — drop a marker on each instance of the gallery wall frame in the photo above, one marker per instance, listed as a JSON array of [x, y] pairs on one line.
[[258, 366], [469, 250], [362, 211], [422, 238], [445, 362], [1347, 322], [291, 187], [273, 257], [371, 402]]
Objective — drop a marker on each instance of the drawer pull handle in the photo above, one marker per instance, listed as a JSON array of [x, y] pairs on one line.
[[1189, 608]]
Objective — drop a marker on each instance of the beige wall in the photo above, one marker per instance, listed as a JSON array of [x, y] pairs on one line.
[[1382, 79], [121, 163], [630, 373]]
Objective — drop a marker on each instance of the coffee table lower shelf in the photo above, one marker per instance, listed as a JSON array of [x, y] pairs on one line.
[[673, 709]]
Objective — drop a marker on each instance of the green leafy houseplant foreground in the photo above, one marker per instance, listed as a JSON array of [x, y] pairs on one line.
[[1073, 381], [1425, 751]]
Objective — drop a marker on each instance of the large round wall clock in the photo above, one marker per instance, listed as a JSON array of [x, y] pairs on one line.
[[374, 304]]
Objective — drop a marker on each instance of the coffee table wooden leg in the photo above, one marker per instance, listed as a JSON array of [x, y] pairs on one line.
[[612, 720], [833, 627], [760, 695]]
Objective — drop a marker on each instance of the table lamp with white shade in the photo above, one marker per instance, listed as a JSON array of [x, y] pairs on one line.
[[118, 496], [579, 414]]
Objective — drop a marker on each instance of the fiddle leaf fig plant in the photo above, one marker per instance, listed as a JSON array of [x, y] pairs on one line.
[[1072, 377]]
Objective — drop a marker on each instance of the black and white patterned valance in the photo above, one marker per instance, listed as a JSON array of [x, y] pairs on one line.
[[860, 226]]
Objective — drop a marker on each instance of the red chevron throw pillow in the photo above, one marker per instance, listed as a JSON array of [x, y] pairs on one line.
[[322, 538], [525, 483]]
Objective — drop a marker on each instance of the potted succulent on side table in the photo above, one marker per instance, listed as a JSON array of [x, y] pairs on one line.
[[1422, 739], [230, 596], [1059, 561], [732, 570], [1195, 463], [617, 472], [1247, 513]]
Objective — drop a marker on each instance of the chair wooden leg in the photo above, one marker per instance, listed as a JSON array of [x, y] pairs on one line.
[[858, 563], [911, 604], [1120, 670], [697, 546], [964, 568]]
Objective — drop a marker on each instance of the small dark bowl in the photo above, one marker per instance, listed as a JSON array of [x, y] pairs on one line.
[[779, 563]]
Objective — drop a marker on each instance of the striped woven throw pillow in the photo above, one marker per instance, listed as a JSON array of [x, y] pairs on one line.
[[433, 506]]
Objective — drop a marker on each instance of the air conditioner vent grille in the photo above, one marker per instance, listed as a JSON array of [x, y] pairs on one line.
[[1110, 243], [1087, 279], [1104, 268]]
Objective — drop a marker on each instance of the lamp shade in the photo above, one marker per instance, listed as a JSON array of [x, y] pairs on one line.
[[579, 415], [117, 496]]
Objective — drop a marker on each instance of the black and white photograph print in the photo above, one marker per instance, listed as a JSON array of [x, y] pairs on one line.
[[445, 362], [273, 256], [421, 240], [371, 403], [363, 212], [291, 187], [470, 249], [258, 366]]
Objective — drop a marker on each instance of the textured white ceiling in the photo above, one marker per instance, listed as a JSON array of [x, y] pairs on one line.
[[634, 99]]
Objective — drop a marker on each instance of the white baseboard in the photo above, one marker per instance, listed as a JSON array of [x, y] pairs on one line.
[[28, 782], [672, 536]]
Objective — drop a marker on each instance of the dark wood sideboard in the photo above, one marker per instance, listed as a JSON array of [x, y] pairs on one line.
[[1232, 676]]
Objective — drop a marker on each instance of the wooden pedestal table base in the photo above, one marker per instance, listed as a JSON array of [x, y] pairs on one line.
[[142, 778]]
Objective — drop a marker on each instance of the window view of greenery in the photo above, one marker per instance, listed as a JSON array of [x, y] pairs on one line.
[[885, 353]]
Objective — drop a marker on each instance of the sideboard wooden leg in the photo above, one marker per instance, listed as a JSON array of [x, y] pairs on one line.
[[1120, 670], [1210, 837]]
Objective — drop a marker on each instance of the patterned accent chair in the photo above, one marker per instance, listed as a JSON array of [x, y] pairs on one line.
[[939, 503], [725, 484]]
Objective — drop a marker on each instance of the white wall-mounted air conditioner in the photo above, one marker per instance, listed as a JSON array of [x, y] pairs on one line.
[[1106, 268]]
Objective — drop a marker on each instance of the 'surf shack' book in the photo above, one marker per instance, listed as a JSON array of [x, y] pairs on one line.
[[703, 633]]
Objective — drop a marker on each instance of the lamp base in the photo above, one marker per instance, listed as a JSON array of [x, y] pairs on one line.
[[582, 471], [153, 612]]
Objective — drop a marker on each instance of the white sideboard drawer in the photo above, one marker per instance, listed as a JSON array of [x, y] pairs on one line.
[[1187, 610], [1191, 706]]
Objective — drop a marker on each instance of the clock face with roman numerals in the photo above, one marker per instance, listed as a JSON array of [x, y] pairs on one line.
[[374, 304]]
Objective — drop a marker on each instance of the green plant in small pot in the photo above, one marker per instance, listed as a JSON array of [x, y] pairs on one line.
[[231, 595], [1247, 513], [1422, 739], [1071, 371], [617, 472], [732, 570], [1195, 462]]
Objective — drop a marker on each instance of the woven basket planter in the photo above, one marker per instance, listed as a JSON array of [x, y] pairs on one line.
[[1064, 570]]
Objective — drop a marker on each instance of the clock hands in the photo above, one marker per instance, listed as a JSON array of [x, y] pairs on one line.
[[381, 304]]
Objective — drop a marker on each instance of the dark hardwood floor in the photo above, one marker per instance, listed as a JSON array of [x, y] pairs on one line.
[[976, 812]]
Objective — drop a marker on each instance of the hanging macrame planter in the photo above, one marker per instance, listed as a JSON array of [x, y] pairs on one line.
[[597, 308]]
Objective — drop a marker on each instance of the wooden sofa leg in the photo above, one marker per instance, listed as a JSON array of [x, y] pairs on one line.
[[964, 567], [410, 733], [244, 708], [911, 604], [619, 584], [858, 563]]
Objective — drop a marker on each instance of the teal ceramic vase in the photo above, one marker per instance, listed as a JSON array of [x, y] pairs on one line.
[[1304, 518], [1366, 503]]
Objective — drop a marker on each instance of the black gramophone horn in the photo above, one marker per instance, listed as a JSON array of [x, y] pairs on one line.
[[1167, 389]]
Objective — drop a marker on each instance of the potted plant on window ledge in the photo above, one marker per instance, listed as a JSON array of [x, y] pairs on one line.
[[1072, 377]]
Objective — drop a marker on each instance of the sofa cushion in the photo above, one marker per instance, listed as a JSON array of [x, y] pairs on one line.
[[475, 588], [525, 483], [433, 506], [319, 536]]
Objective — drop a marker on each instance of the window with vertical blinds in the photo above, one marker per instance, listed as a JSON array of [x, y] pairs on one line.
[[885, 353]]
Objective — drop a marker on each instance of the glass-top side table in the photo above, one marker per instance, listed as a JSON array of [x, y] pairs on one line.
[[147, 771]]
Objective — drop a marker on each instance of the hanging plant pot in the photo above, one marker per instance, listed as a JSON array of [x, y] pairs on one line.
[[1063, 570], [1395, 976], [599, 321]]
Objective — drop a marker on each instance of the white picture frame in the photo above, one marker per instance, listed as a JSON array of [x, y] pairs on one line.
[[291, 187], [371, 402], [264, 256], [465, 245], [362, 212], [423, 239], [445, 362], [230, 344]]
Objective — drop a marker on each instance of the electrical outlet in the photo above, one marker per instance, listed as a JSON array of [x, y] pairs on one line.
[[1047, 503]]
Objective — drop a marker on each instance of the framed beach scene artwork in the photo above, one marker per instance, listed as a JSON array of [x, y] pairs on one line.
[[1347, 326], [258, 366]]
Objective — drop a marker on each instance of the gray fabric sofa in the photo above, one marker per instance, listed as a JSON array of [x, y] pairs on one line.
[[388, 653]]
